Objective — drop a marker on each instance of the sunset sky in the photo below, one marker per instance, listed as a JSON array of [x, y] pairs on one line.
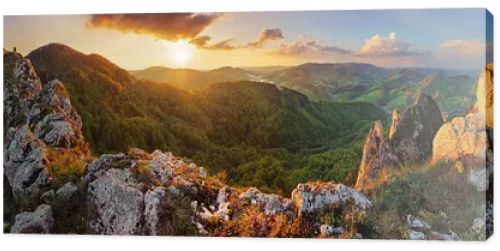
[[393, 38]]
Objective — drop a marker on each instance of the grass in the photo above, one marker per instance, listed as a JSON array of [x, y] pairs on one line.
[[438, 194], [64, 166]]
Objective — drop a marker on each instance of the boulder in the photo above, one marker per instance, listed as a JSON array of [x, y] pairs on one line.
[[461, 138], [451, 236], [25, 162], [271, 203], [415, 235], [160, 166], [115, 203], [312, 197], [39, 221], [102, 164], [48, 197], [415, 222], [67, 193]]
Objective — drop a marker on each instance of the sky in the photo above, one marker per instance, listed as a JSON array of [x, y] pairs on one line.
[[435, 38]]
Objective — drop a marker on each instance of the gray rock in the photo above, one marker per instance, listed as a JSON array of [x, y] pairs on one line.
[[67, 193], [415, 235], [153, 210], [115, 203], [327, 230], [53, 118], [478, 225], [160, 166], [19, 93], [102, 164], [24, 163], [309, 198], [48, 197], [451, 236], [271, 203], [39, 221], [415, 222], [410, 141]]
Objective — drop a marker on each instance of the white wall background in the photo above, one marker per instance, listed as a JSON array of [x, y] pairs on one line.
[[113, 243]]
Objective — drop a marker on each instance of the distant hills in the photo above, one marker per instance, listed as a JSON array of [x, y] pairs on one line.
[[384, 87], [189, 79]]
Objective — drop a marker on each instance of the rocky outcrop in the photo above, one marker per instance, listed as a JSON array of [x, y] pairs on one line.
[[396, 118], [484, 95], [54, 120], [409, 142], [20, 90], [38, 117], [421, 230], [461, 138], [133, 194], [310, 198], [467, 142], [39, 221], [25, 162]]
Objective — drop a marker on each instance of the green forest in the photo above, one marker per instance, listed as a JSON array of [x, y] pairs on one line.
[[252, 133]]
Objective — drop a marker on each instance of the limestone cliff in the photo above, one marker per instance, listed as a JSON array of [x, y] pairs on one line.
[[409, 141], [467, 144]]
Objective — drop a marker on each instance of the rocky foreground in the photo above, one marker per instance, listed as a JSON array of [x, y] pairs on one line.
[[140, 193]]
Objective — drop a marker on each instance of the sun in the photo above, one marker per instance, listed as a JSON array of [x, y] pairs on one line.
[[180, 53]]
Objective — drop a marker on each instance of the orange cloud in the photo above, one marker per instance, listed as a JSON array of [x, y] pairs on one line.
[[167, 26]]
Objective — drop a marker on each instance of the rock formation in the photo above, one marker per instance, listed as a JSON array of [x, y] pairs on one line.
[[39, 221], [130, 194], [409, 142], [39, 117], [468, 142]]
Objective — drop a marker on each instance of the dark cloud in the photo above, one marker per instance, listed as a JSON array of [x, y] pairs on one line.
[[168, 26], [222, 45], [266, 35], [202, 43]]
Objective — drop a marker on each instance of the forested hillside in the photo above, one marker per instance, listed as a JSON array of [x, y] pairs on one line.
[[238, 128]]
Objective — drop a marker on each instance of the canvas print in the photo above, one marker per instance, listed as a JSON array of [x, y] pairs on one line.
[[359, 124]]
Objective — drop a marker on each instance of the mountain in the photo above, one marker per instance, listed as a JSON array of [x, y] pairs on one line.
[[384, 87], [327, 81], [189, 79], [222, 126]]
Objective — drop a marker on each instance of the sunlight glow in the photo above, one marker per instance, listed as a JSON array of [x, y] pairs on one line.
[[179, 53]]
